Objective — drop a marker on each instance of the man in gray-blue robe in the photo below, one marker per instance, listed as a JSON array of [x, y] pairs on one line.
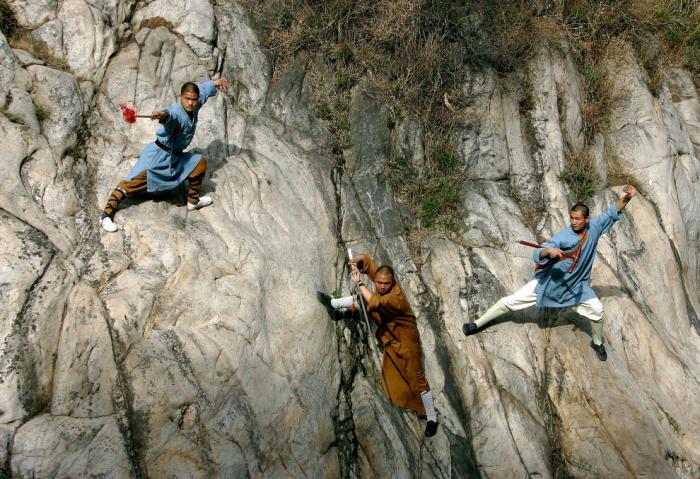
[[164, 164], [564, 267]]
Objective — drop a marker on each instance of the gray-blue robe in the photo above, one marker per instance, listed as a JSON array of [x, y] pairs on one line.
[[556, 286], [166, 170]]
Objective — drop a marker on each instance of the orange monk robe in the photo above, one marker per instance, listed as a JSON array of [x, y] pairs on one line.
[[402, 367]]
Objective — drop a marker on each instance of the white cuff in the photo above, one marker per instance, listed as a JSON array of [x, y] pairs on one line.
[[345, 302]]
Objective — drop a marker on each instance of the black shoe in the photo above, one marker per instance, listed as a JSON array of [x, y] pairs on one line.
[[600, 351], [325, 300], [469, 328], [430, 428]]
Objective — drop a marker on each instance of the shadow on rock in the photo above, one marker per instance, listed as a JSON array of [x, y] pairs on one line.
[[216, 154], [545, 318], [609, 291], [177, 197]]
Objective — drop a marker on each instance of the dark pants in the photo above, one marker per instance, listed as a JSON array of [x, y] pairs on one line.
[[139, 184]]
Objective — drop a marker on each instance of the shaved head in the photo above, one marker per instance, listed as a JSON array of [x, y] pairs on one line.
[[384, 269], [189, 87], [384, 279], [581, 208]]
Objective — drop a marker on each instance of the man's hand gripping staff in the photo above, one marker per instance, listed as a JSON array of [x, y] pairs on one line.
[[554, 253], [357, 286]]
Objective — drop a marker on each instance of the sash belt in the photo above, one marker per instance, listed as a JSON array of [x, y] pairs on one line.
[[169, 150]]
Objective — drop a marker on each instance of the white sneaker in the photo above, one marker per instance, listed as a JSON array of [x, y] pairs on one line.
[[203, 201], [107, 224]]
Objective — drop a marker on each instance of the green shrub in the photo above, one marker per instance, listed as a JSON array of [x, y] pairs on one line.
[[15, 118], [430, 209], [580, 182], [344, 52], [41, 113], [444, 157], [283, 18], [440, 200], [450, 224], [674, 37], [322, 110], [590, 74], [344, 81]]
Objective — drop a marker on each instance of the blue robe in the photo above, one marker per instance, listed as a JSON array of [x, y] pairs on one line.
[[166, 170], [556, 286]]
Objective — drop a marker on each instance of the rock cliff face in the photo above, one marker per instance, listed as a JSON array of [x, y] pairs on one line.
[[190, 344]]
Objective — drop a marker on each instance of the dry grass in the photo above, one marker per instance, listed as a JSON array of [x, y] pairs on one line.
[[662, 33], [579, 175], [156, 22], [411, 54], [23, 40], [415, 53]]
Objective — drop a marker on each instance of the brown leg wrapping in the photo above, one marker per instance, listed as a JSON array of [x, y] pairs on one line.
[[196, 178], [138, 185]]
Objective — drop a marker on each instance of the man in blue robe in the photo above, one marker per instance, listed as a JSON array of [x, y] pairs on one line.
[[164, 164], [564, 267]]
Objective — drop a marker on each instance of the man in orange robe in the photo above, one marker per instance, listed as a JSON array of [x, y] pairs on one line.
[[402, 368]]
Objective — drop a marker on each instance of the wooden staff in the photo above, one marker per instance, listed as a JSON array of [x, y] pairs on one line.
[[370, 339]]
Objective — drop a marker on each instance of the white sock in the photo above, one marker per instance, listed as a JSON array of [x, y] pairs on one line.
[[345, 302], [597, 330], [498, 309], [430, 413]]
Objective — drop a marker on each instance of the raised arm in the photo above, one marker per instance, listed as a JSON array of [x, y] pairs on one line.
[[629, 193], [365, 264], [221, 83], [208, 89]]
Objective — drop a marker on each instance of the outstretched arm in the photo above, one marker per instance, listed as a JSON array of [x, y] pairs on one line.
[[161, 116], [166, 119], [221, 83], [630, 191]]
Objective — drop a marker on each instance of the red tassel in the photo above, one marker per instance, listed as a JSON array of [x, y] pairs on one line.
[[129, 114]]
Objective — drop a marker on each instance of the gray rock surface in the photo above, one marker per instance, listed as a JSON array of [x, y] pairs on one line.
[[190, 344], [55, 446]]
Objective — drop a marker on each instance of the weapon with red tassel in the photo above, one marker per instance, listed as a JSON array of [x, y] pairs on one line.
[[130, 115], [533, 245], [551, 261]]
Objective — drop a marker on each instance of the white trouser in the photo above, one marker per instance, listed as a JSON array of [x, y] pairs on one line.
[[526, 297], [344, 302]]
